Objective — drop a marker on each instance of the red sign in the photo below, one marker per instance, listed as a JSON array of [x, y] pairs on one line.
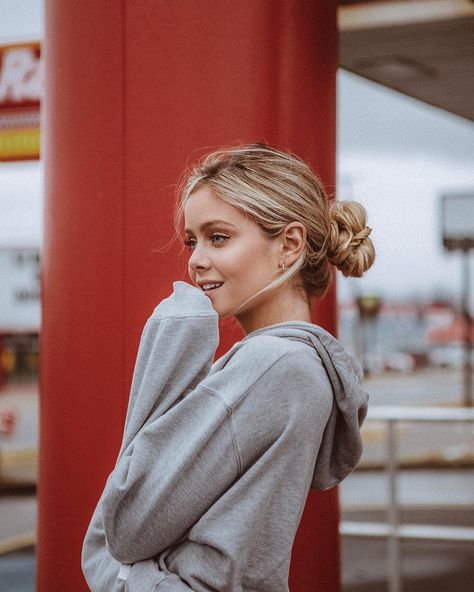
[[7, 421], [20, 95]]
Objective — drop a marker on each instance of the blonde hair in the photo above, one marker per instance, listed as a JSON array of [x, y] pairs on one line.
[[275, 187]]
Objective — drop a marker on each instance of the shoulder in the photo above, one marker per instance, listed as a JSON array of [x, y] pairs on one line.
[[298, 372], [268, 347], [271, 348], [283, 356], [265, 362], [258, 355], [290, 403]]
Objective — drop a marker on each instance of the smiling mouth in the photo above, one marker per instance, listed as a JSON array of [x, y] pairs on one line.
[[212, 289]]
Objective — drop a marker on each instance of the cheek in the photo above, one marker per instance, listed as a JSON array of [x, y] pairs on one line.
[[250, 263], [236, 260]]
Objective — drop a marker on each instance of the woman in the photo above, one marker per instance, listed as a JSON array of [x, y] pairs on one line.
[[217, 459]]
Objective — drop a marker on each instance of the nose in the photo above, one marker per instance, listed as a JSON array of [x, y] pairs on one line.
[[198, 260]]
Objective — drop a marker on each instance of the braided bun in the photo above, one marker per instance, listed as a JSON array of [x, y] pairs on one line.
[[349, 246]]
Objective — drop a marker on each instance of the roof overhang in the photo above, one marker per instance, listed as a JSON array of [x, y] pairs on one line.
[[421, 48]]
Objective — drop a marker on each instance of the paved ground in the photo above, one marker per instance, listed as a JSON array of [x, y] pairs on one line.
[[419, 444], [430, 386]]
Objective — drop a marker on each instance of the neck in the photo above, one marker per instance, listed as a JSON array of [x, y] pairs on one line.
[[284, 306]]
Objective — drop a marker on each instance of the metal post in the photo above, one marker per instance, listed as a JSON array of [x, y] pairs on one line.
[[393, 544], [364, 341], [467, 330]]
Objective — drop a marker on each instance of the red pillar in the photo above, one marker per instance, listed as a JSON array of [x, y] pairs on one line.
[[134, 92]]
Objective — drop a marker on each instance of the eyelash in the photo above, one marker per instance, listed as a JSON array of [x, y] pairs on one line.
[[189, 242]]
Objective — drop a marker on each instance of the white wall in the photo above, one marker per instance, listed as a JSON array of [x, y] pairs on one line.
[[21, 20]]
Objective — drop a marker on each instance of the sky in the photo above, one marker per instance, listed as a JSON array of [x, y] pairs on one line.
[[395, 155]]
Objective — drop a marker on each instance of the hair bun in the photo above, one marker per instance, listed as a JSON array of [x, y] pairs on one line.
[[349, 246]]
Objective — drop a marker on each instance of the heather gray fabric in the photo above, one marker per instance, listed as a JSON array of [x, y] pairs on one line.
[[217, 459]]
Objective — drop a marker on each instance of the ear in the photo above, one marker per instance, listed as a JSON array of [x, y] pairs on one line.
[[292, 242]]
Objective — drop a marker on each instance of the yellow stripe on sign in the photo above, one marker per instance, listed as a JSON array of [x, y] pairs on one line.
[[17, 542], [19, 457], [19, 143]]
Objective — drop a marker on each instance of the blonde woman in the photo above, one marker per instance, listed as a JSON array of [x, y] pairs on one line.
[[218, 457]]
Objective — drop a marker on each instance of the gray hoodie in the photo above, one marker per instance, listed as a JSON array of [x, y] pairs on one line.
[[217, 459]]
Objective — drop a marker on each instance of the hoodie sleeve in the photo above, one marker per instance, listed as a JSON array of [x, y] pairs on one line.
[[178, 466], [175, 353]]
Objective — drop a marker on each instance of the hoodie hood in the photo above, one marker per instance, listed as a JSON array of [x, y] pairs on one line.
[[341, 446]]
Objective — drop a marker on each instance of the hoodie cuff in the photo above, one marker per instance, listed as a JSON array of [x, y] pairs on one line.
[[185, 300], [124, 571]]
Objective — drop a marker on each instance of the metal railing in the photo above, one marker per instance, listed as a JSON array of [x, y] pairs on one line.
[[392, 530]]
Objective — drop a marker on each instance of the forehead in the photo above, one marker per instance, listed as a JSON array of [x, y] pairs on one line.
[[204, 206]]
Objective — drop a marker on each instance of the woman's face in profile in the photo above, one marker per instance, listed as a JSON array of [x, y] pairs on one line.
[[227, 248]]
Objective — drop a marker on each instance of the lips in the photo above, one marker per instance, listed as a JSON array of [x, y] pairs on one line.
[[202, 285], [209, 291]]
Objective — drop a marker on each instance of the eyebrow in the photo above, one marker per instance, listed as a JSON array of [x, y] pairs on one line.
[[210, 223]]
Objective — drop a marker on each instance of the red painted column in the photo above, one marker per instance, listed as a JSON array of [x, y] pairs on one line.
[[134, 92]]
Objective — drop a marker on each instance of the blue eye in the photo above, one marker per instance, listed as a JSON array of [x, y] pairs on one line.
[[219, 236], [191, 242]]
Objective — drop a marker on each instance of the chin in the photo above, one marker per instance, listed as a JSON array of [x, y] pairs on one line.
[[223, 314]]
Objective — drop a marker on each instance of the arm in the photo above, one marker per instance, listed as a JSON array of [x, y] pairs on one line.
[[100, 569], [176, 350], [103, 573], [177, 467], [175, 353]]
